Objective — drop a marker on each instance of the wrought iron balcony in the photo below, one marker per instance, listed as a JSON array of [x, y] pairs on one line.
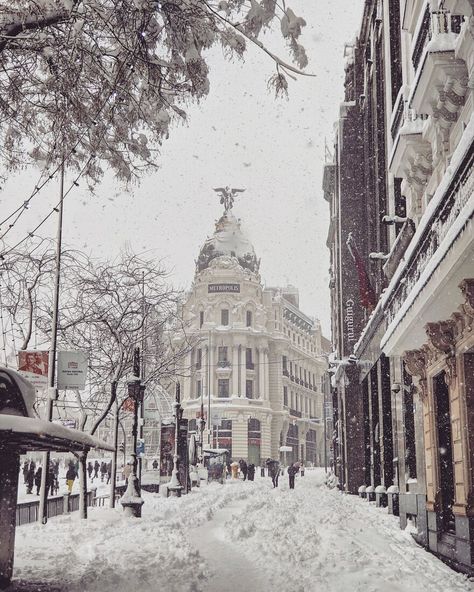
[[295, 413], [249, 365], [285, 372], [223, 364]]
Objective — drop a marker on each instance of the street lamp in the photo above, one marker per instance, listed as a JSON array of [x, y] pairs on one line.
[[174, 485], [131, 500]]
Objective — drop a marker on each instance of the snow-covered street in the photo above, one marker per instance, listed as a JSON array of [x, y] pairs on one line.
[[238, 536]]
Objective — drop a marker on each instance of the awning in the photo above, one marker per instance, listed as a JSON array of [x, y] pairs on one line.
[[30, 434]]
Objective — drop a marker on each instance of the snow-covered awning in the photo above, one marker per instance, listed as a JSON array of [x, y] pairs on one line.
[[28, 433]]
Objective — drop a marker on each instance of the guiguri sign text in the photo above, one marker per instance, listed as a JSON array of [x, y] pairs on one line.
[[216, 288]]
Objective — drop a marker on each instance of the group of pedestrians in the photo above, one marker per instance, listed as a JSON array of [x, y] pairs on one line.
[[274, 471], [105, 470], [235, 469], [32, 475]]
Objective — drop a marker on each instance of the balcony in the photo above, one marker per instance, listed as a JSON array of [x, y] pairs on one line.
[[223, 364], [440, 83], [426, 267], [249, 365], [286, 373], [292, 378], [295, 413], [198, 365]]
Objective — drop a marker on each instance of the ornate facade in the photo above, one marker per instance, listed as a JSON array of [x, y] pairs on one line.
[[410, 91], [257, 369]]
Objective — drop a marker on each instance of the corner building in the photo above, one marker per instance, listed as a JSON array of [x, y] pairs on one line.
[[257, 369]]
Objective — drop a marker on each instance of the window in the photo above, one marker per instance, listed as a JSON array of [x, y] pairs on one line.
[[201, 318], [198, 389], [285, 396], [223, 388], [285, 366], [199, 359], [249, 318], [225, 317], [222, 361], [248, 359], [249, 389]]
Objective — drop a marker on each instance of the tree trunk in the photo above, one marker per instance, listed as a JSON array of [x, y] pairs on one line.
[[83, 484]]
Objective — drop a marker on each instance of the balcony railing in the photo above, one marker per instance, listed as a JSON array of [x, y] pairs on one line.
[[435, 231], [285, 372], [223, 364], [292, 377], [433, 24], [250, 365], [295, 413]]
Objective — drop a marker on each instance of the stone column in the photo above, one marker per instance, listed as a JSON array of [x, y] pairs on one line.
[[9, 469], [261, 374], [240, 437], [266, 395], [243, 372], [235, 371], [266, 438]]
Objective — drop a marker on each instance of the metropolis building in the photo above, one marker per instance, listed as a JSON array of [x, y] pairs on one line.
[[257, 369]]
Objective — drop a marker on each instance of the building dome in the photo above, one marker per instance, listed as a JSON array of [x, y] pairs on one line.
[[228, 240]]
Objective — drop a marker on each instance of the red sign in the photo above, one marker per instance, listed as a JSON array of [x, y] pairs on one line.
[[128, 404]]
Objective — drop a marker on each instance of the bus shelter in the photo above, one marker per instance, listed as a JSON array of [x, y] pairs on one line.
[[20, 433]]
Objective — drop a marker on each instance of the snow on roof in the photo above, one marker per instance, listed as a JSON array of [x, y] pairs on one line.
[[37, 434], [27, 390]]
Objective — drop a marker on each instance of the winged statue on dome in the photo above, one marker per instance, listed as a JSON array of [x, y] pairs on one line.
[[227, 195]]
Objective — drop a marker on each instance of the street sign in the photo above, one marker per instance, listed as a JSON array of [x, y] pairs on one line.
[[72, 370], [141, 447]]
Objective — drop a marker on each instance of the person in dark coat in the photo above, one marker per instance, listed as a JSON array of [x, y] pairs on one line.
[[30, 477], [109, 471], [273, 470], [292, 470], [71, 476], [90, 469], [251, 472], [103, 470], [96, 470], [50, 480], [26, 465], [38, 474], [243, 468]]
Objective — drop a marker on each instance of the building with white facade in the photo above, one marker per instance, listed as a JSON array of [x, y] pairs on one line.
[[257, 369]]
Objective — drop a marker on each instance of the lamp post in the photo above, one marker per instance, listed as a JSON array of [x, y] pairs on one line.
[[131, 500], [174, 486]]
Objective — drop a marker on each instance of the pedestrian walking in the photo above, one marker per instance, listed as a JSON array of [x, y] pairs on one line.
[[155, 464], [38, 474], [251, 472], [50, 478], [127, 471], [90, 469], [71, 475], [292, 470], [243, 468], [103, 470], [96, 470], [273, 470], [234, 466], [109, 471]]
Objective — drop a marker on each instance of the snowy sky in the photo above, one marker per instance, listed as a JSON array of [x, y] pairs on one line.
[[239, 136]]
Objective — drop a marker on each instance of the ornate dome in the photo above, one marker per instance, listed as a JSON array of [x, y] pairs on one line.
[[228, 240]]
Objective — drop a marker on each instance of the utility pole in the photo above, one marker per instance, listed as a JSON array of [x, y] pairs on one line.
[[210, 378], [142, 376], [52, 390]]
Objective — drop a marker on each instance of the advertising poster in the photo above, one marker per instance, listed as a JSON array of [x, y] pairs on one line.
[[183, 452], [166, 450], [33, 365]]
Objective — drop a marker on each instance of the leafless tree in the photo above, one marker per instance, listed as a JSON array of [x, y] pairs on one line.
[[99, 81]]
